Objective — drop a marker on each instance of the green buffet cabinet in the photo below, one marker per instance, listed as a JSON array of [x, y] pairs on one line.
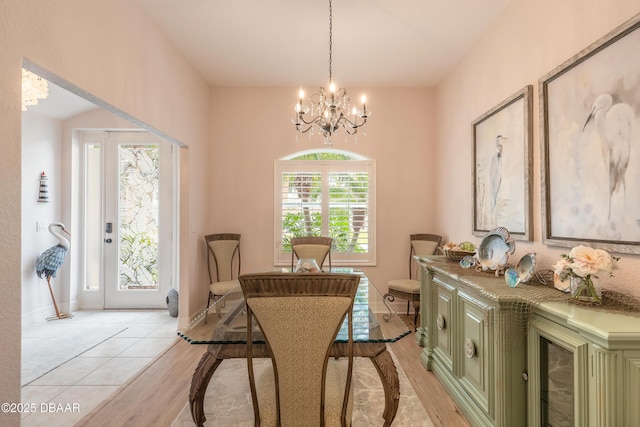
[[471, 346], [584, 367], [506, 362]]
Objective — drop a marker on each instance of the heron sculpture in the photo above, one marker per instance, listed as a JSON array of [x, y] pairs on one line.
[[614, 124], [50, 261]]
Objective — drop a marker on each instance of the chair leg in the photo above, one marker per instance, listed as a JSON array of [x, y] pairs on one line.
[[208, 303], [416, 313], [408, 302], [387, 299], [219, 306]]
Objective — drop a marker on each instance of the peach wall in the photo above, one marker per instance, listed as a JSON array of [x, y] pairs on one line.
[[251, 127], [109, 49], [528, 40]]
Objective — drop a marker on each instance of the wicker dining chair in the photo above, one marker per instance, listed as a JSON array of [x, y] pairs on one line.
[[300, 315], [316, 247], [409, 289], [223, 249]]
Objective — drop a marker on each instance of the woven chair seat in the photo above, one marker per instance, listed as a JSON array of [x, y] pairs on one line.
[[409, 286], [221, 288]]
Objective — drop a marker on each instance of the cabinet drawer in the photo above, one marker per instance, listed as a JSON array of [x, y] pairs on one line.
[[475, 343], [444, 324]]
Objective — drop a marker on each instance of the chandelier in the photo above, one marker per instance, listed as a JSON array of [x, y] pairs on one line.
[[34, 88], [329, 110]]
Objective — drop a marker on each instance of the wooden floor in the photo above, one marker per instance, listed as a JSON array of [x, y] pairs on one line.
[[158, 394], [442, 410]]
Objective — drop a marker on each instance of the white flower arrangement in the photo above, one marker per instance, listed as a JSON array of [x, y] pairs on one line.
[[585, 263]]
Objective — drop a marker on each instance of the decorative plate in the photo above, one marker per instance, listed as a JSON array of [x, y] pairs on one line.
[[494, 250], [526, 267]]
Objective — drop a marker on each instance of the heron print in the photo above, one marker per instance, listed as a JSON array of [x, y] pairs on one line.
[[593, 145], [614, 124], [500, 167], [495, 180]]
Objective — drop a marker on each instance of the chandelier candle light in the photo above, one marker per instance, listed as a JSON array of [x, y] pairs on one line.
[[329, 111]]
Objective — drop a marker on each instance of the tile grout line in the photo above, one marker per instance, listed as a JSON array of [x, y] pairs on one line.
[[66, 388]]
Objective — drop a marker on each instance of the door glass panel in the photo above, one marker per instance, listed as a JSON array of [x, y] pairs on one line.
[[557, 386], [93, 217], [138, 217]]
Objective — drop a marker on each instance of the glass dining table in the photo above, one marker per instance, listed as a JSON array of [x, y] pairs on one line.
[[223, 328]]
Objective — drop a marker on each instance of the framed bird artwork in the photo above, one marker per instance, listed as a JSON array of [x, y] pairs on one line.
[[501, 179], [590, 141]]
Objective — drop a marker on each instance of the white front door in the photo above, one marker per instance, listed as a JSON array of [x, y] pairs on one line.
[[128, 230]]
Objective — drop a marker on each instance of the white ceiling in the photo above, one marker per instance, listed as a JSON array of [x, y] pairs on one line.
[[286, 42], [392, 43], [61, 104]]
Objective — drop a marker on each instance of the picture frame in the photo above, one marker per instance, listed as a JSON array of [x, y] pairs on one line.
[[502, 166], [590, 145]]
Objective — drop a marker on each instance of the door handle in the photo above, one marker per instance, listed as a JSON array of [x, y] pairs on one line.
[[108, 240]]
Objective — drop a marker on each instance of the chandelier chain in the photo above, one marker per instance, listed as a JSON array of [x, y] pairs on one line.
[[330, 110], [330, 39]]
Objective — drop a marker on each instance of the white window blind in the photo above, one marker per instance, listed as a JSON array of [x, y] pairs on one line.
[[326, 198]]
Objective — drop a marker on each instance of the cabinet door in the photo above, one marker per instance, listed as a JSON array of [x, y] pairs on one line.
[[559, 375], [476, 350], [631, 388], [444, 324]]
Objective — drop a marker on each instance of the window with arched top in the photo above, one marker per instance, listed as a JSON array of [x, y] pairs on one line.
[[326, 193]]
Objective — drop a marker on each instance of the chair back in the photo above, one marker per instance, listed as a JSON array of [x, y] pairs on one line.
[[300, 315], [223, 248], [422, 245], [316, 247]]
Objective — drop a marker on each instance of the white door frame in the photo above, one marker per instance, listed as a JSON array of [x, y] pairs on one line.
[[106, 294]]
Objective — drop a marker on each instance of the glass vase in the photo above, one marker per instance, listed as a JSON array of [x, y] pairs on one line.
[[586, 289], [306, 265]]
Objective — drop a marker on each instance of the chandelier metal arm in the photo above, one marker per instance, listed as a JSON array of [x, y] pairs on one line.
[[314, 121], [354, 124], [300, 129], [329, 110], [341, 121]]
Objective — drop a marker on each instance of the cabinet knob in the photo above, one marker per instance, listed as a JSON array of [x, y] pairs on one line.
[[469, 348], [440, 322]]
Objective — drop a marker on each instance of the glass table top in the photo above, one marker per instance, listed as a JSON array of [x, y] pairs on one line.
[[225, 321]]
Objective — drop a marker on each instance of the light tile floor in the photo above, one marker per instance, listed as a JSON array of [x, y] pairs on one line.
[[68, 393]]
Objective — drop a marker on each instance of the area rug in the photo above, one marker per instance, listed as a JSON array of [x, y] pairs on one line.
[[45, 347], [228, 399]]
